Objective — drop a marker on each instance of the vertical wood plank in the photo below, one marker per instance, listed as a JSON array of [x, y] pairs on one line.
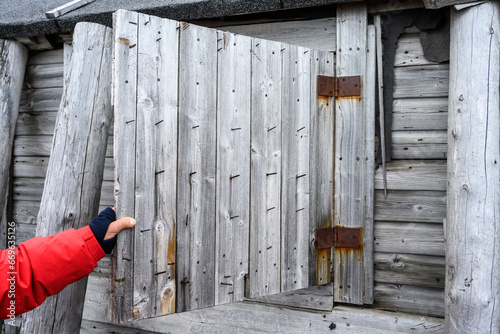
[[369, 93], [321, 167], [472, 295], [156, 164], [75, 172], [124, 100], [13, 59], [233, 166], [196, 168], [350, 177], [295, 130], [265, 185]]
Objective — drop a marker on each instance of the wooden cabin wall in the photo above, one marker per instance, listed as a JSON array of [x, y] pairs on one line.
[[409, 235], [40, 99]]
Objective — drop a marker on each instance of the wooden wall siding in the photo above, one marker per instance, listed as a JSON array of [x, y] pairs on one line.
[[244, 129], [314, 34], [13, 58], [233, 167], [354, 155], [321, 159], [409, 235]]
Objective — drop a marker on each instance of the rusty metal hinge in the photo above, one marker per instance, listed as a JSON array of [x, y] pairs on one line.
[[339, 86], [339, 237]]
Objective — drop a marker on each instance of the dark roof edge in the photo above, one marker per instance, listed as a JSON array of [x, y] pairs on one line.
[[209, 9]]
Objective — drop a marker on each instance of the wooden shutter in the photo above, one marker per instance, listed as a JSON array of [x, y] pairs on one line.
[[224, 155]]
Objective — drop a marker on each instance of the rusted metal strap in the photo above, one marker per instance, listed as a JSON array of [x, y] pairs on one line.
[[339, 237], [339, 86]]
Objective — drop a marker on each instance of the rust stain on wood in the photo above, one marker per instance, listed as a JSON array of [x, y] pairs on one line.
[[123, 40]]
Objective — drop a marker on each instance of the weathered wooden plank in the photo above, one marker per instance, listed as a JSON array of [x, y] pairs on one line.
[[295, 129], [314, 34], [321, 167], [233, 167], [196, 168], [421, 81], [125, 31], [258, 318], [13, 58], [27, 189], [80, 136], [318, 298], [420, 114], [41, 99], [99, 327], [369, 93], [43, 76], [411, 206], [410, 269], [265, 187], [419, 145], [473, 237], [25, 211], [46, 57], [156, 167], [97, 299], [350, 139], [434, 4], [409, 238], [409, 52], [36, 123], [410, 299], [413, 175], [40, 146]]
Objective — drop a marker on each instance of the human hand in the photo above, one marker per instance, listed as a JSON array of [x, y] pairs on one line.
[[105, 228]]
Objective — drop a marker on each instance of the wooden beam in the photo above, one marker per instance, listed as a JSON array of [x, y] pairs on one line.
[[73, 183], [354, 156], [473, 237], [13, 58], [435, 4]]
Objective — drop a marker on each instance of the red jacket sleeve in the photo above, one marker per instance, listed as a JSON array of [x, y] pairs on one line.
[[43, 266]]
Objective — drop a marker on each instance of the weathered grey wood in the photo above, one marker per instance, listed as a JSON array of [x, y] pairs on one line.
[[421, 81], [43, 76], [125, 121], [420, 114], [321, 169], [295, 129], [434, 4], [410, 299], [409, 52], [409, 238], [257, 318], [67, 54], [47, 57], [99, 327], [36, 123], [265, 187], [40, 146], [156, 167], [410, 269], [380, 98], [36, 43], [413, 175], [13, 58], [318, 298], [350, 165], [233, 167], [411, 206], [28, 189], [369, 93], [419, 145], [378, 7], [25, 211], [43, 99], [473, 237], [196, 208], [76, 167], [97, 299], [314, 34]]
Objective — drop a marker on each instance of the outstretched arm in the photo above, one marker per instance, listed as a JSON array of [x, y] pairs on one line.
[[43, 266]]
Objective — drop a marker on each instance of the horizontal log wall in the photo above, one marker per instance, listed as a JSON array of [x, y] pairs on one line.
[[409, 236], [40, 101]]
